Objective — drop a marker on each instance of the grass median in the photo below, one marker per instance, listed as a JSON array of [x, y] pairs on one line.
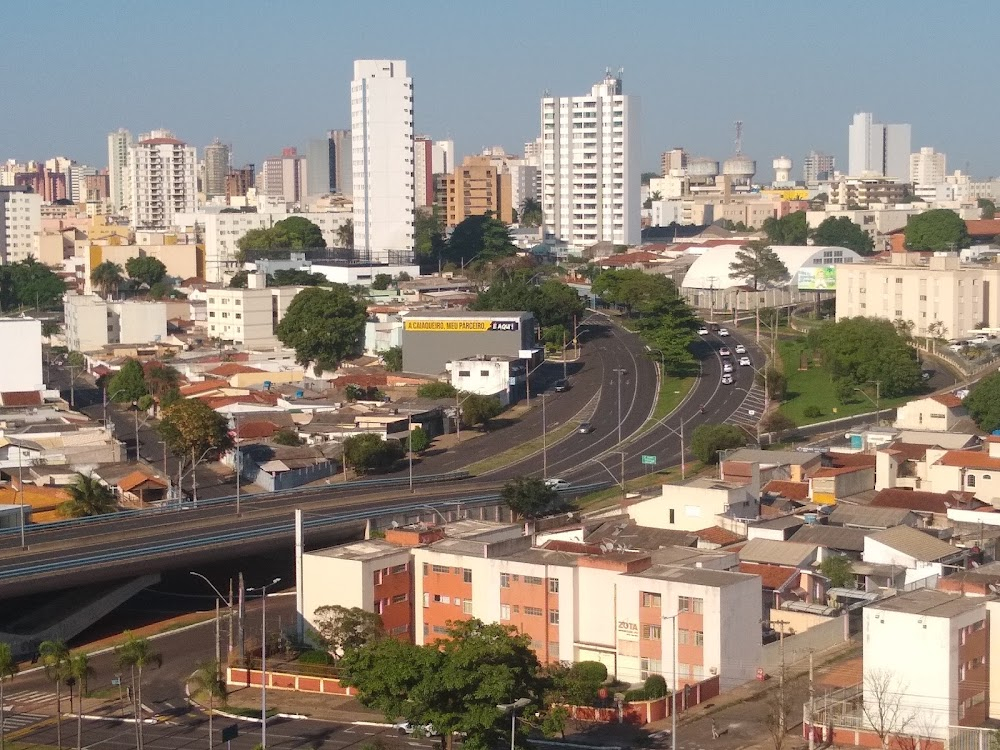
[[522, 451]]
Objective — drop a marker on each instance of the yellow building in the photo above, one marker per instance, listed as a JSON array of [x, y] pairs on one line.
[[475, 188]]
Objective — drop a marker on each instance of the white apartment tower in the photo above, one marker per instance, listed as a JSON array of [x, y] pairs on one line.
[[119, 144], [20, 223], [878, 149], [590, 166], [162, 179], [382, 152], [216, 168], [927, 167]]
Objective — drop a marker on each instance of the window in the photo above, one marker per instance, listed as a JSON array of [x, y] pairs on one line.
[[484, 373], [440, 569], [440, 629], [399, 598], [467, 606], [697, 605], [683, 604], [466, 575], [671, 516], [505, 580], [427, 569], [463, 373], [970, 480], [504, 611], [553, 617], [650, 600], [651, 632], [699, 638], [553, 585], [533, 580], [649, 667], [533, 611], [682, 637], [398, 569], [427, 600]]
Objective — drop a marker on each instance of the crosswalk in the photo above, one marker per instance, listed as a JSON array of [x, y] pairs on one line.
[[751, 410], [13, 722], [23, 698]]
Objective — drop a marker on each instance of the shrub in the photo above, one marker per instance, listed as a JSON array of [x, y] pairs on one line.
[[656, 686], [436, 390], [636, 694], [314, 656], [812, 411], [591, 671]]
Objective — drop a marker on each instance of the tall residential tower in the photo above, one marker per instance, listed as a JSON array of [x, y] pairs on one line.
[[119, 144], [162, 180], [879, 149], [216, 168]]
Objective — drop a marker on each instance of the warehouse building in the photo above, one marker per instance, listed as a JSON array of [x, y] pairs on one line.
[[432, 340]]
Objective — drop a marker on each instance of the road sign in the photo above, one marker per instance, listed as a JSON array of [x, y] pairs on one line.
[[116, 681], [230, 733], [649, 460]]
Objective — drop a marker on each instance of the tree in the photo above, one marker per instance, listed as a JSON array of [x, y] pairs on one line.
[[146, 269], [296, 277], [50, 328], [286, 437], [775, 381], [54, 656], [709, 439], [551, 302], [293, 233], [479, 410], [882, 705], [419, 440], [776, 719], [160, 378], [840, 231], [579, 683], [987, 208], [480, 237], [381, 281], [791, 229], [531, 213], [8, 670], [555, 721], [859, 351], [775, 421], [239, 280], [983, 403], [385, 672], [107, 277], [29, 284], [323, 326], [429, 245], [345, 234], [78, 672], [838, 570], [369, 452], [136, 654], [88, 496], [193, 431], [345, 629], [436, 390], [937, 229], [756, 262], [645, 177], [162, 290], [528, 497], [128, 384], [206, 679], [393, 358]]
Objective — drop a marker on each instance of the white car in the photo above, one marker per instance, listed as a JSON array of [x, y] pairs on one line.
[[427, 730], [740, 349], [727, 379], [745, 362], [557, 484], [727, 367], [724, 351], [723, 331], [703, 331]]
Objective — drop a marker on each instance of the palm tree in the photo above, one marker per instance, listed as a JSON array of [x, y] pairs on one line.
[[55, 660], [206, 679], [531, 213], [345, 234], [107, 277], [77, 672], [88, 496], [137, 653], [8, 668]]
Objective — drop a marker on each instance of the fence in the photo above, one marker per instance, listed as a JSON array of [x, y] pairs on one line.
[[287, 681], [646, 712]]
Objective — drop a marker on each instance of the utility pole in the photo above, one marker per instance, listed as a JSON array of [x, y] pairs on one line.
[[620, 372], [231, 642], [781, 675], [683, 462], [564, 355], [545, 447], [237, 457], [243, 633], [812, 704]]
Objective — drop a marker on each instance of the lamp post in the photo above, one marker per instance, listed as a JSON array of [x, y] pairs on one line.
[[620, 482], [20, 491], [237, 457], [652, 349], [673, 686], [229, 606], [511, 708], [620, 371], [409, 445], [545, 445], [877, 399], [263, 657]]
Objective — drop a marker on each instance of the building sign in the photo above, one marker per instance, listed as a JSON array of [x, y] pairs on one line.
[[628, 630], [460, 326], [817, 279]]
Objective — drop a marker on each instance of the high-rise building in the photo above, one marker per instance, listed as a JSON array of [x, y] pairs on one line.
[[78, 174], [119, 144], [817, 167], [20, 221], [443, 157], [523, 175], [475, 188], [216, 168], [590, 166], [927, 167], [239, 181], [342, 153], [49, 184], [382, 150], [285, 176], [162, 179], [879, 149], [321, 158], [423, 172], [675, 158]]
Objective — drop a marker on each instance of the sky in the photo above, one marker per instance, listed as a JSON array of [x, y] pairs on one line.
[[264, 75]]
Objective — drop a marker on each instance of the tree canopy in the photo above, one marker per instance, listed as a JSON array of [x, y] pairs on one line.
[[479, 410], [528, 497], [128, 384], [323, 326], [145, 269], [295, 277], [345, 629], [481, 238], [840, 231], [552, 302], [429, 245], [436, 389], [190, 427], [983, 403], [107, 277], [369, 452], [791, 229], [29, 283], [859, 351], [393, 358], [937, 229], [531, 213], [838, 570], [708, 439], [987, 208], [293, 233], [759, 265], [88, 496]]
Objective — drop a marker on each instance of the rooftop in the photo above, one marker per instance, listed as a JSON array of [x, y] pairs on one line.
[[773, 577], [924, 502], [793, 554], [791, 490], [969, 460], [948, 399], [772, 458], [930, 603], [718, 535], [779, 523], [916, 544], [867, 517], [369, 549], [488, 315], [832, 537], [694, 576]]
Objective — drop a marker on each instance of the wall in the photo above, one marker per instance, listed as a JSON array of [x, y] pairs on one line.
[[287, 681], [640, 713], [21, 339], [798, 646], [799, 622]]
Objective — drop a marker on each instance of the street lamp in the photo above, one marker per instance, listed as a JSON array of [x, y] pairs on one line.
[[409, 445], [673, 686], [603, 466], [620, 371], [263, 657], [229, 606], [511, 708], [545, 445], [652, 349], [877, 399]]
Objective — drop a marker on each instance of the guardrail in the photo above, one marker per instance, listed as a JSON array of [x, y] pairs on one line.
[[162, 510], [279, 527]]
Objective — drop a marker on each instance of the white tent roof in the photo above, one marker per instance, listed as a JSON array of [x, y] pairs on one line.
[[711, 269]]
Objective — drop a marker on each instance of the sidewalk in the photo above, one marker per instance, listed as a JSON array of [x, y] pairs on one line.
[[340, 708]]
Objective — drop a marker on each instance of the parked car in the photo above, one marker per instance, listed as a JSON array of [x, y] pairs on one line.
[[427, 730], [556, 484], [724, 351], [745, 362], [727, 379], [703, 331], [585, 428], [740, 349], [723, 331], [560, 385]]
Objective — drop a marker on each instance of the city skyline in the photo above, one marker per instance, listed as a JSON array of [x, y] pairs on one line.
[[689, 97]]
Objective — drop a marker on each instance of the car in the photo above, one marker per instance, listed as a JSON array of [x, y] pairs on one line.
[[585, 428], [703, 331], [556, 484], [714, 326], [745, 362], [980, 339], [724, 351], [560, 385], [427, 730], [926, 374], [723, 331], [740, 349], [727, 379], [727, 367]]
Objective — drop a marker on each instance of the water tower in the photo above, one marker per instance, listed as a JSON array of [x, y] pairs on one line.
[[739, 168], [782, 169]]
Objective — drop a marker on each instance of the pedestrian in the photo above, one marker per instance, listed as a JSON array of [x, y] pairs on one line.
[[715, 731]]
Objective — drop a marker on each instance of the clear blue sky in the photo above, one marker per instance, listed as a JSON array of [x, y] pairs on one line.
[[263, 75]]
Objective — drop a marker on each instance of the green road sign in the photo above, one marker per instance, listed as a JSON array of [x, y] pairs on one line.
[[649, 460], [230, 733]]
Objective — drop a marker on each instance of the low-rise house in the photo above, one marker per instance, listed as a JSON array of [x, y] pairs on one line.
[[794, 466], [698, 503], [868, 517], [830, 484], [940, 412], [931, 507], [779, 529], [839, 539], [973, 471], [790, 554], [922, 554], [280, 467], [139, 489]]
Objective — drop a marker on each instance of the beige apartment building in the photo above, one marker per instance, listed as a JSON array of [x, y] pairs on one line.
[[249, 317], [940, 297], [474, 188], [92, 322]]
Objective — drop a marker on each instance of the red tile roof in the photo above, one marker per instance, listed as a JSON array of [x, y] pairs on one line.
[[257, 429], [254, 397], [969, 460], [718, 535], [558, 545], [833, 471], [927, 502], [948, 399], [130, 481], [772, 576], [983, 227], [791, 490], [21, 398], [627, 259], [228, 369], [909, 451], [204, 386], [851, 459]]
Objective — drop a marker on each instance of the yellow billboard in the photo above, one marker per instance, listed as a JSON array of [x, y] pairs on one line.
[[460, 326]]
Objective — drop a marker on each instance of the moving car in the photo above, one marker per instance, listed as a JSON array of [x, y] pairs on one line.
[[727, 367], [727, 379], [745, 362], [723, 331], [724, 351], [740, 349], [560, 385], [557, 484], [703, 331], [427, 730], [585, 428]]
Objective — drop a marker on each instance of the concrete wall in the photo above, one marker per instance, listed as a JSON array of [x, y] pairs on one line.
[[797, 647]]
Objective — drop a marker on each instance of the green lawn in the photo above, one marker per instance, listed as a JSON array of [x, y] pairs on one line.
[[814, 387], [672, 392]]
